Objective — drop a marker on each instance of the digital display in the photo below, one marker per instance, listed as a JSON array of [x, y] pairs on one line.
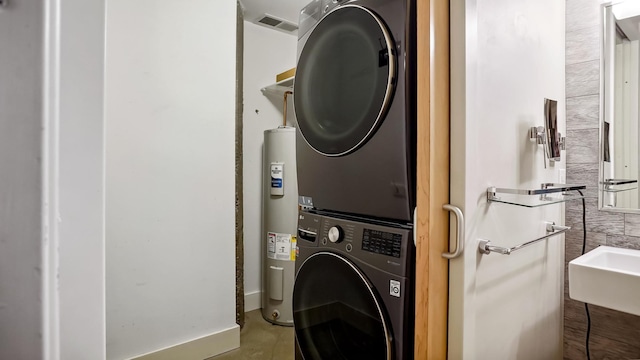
[[381, 242]]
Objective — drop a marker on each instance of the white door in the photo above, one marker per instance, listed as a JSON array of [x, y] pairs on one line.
[[507, 56]]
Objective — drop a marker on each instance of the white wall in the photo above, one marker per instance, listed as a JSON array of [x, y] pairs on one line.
[[507, 56], [81, 180], [266, 53], [170, 109], [21, 93], [51, 276]]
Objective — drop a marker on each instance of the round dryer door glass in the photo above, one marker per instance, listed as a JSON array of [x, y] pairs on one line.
[[336, 312], [344, 80]]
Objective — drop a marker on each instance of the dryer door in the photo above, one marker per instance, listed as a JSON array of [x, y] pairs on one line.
[[336, 312], [344, 80]]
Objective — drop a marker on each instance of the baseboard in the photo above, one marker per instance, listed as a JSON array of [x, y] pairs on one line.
[[198, 349], [252, 301]]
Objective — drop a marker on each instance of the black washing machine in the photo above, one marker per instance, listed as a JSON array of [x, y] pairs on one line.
[[353, 295], [354, 99]]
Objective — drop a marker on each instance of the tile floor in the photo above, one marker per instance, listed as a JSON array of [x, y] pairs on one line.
[[261, 340]]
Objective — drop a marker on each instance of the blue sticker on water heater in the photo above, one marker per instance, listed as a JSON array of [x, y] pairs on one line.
[[277, 179]]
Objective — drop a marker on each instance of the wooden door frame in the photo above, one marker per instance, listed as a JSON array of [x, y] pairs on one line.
[[432, 223]]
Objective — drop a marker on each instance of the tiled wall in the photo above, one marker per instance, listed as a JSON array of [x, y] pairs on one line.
[[614, 335]]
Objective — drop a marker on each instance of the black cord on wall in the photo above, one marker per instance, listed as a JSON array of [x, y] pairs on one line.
[[584, 247]]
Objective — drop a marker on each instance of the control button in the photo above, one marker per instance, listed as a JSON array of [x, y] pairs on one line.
[[324, 240], [336, 234], [349, 247], [394, 288]]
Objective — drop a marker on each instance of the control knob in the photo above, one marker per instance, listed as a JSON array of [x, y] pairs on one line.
[[336, 234]]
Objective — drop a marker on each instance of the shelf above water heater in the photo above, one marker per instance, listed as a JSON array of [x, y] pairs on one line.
[[284, 82], [547, 194]]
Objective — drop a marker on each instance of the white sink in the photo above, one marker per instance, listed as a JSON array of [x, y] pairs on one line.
[[607, 276]]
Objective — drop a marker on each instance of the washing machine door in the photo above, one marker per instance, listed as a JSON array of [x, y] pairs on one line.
[[336, 312], [344, 80]]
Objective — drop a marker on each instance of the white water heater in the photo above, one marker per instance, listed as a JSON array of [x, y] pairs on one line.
[[280, 217]]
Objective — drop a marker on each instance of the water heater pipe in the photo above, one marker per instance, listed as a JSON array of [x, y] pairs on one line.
[[284, 120]]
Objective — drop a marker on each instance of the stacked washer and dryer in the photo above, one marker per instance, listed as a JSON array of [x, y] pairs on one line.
[[355, 104]]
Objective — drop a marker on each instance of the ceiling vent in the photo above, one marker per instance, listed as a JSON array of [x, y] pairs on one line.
[[276, 23]]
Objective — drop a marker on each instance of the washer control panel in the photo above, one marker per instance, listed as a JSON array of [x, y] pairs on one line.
[[385, 247]]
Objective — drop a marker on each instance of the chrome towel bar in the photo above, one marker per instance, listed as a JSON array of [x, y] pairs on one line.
[[485, 247]]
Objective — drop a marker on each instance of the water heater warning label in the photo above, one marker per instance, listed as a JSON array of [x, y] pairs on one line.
[[281, 246], [277, 182]]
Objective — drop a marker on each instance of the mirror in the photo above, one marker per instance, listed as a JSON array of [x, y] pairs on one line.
[[619, 130], [552, 141]]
